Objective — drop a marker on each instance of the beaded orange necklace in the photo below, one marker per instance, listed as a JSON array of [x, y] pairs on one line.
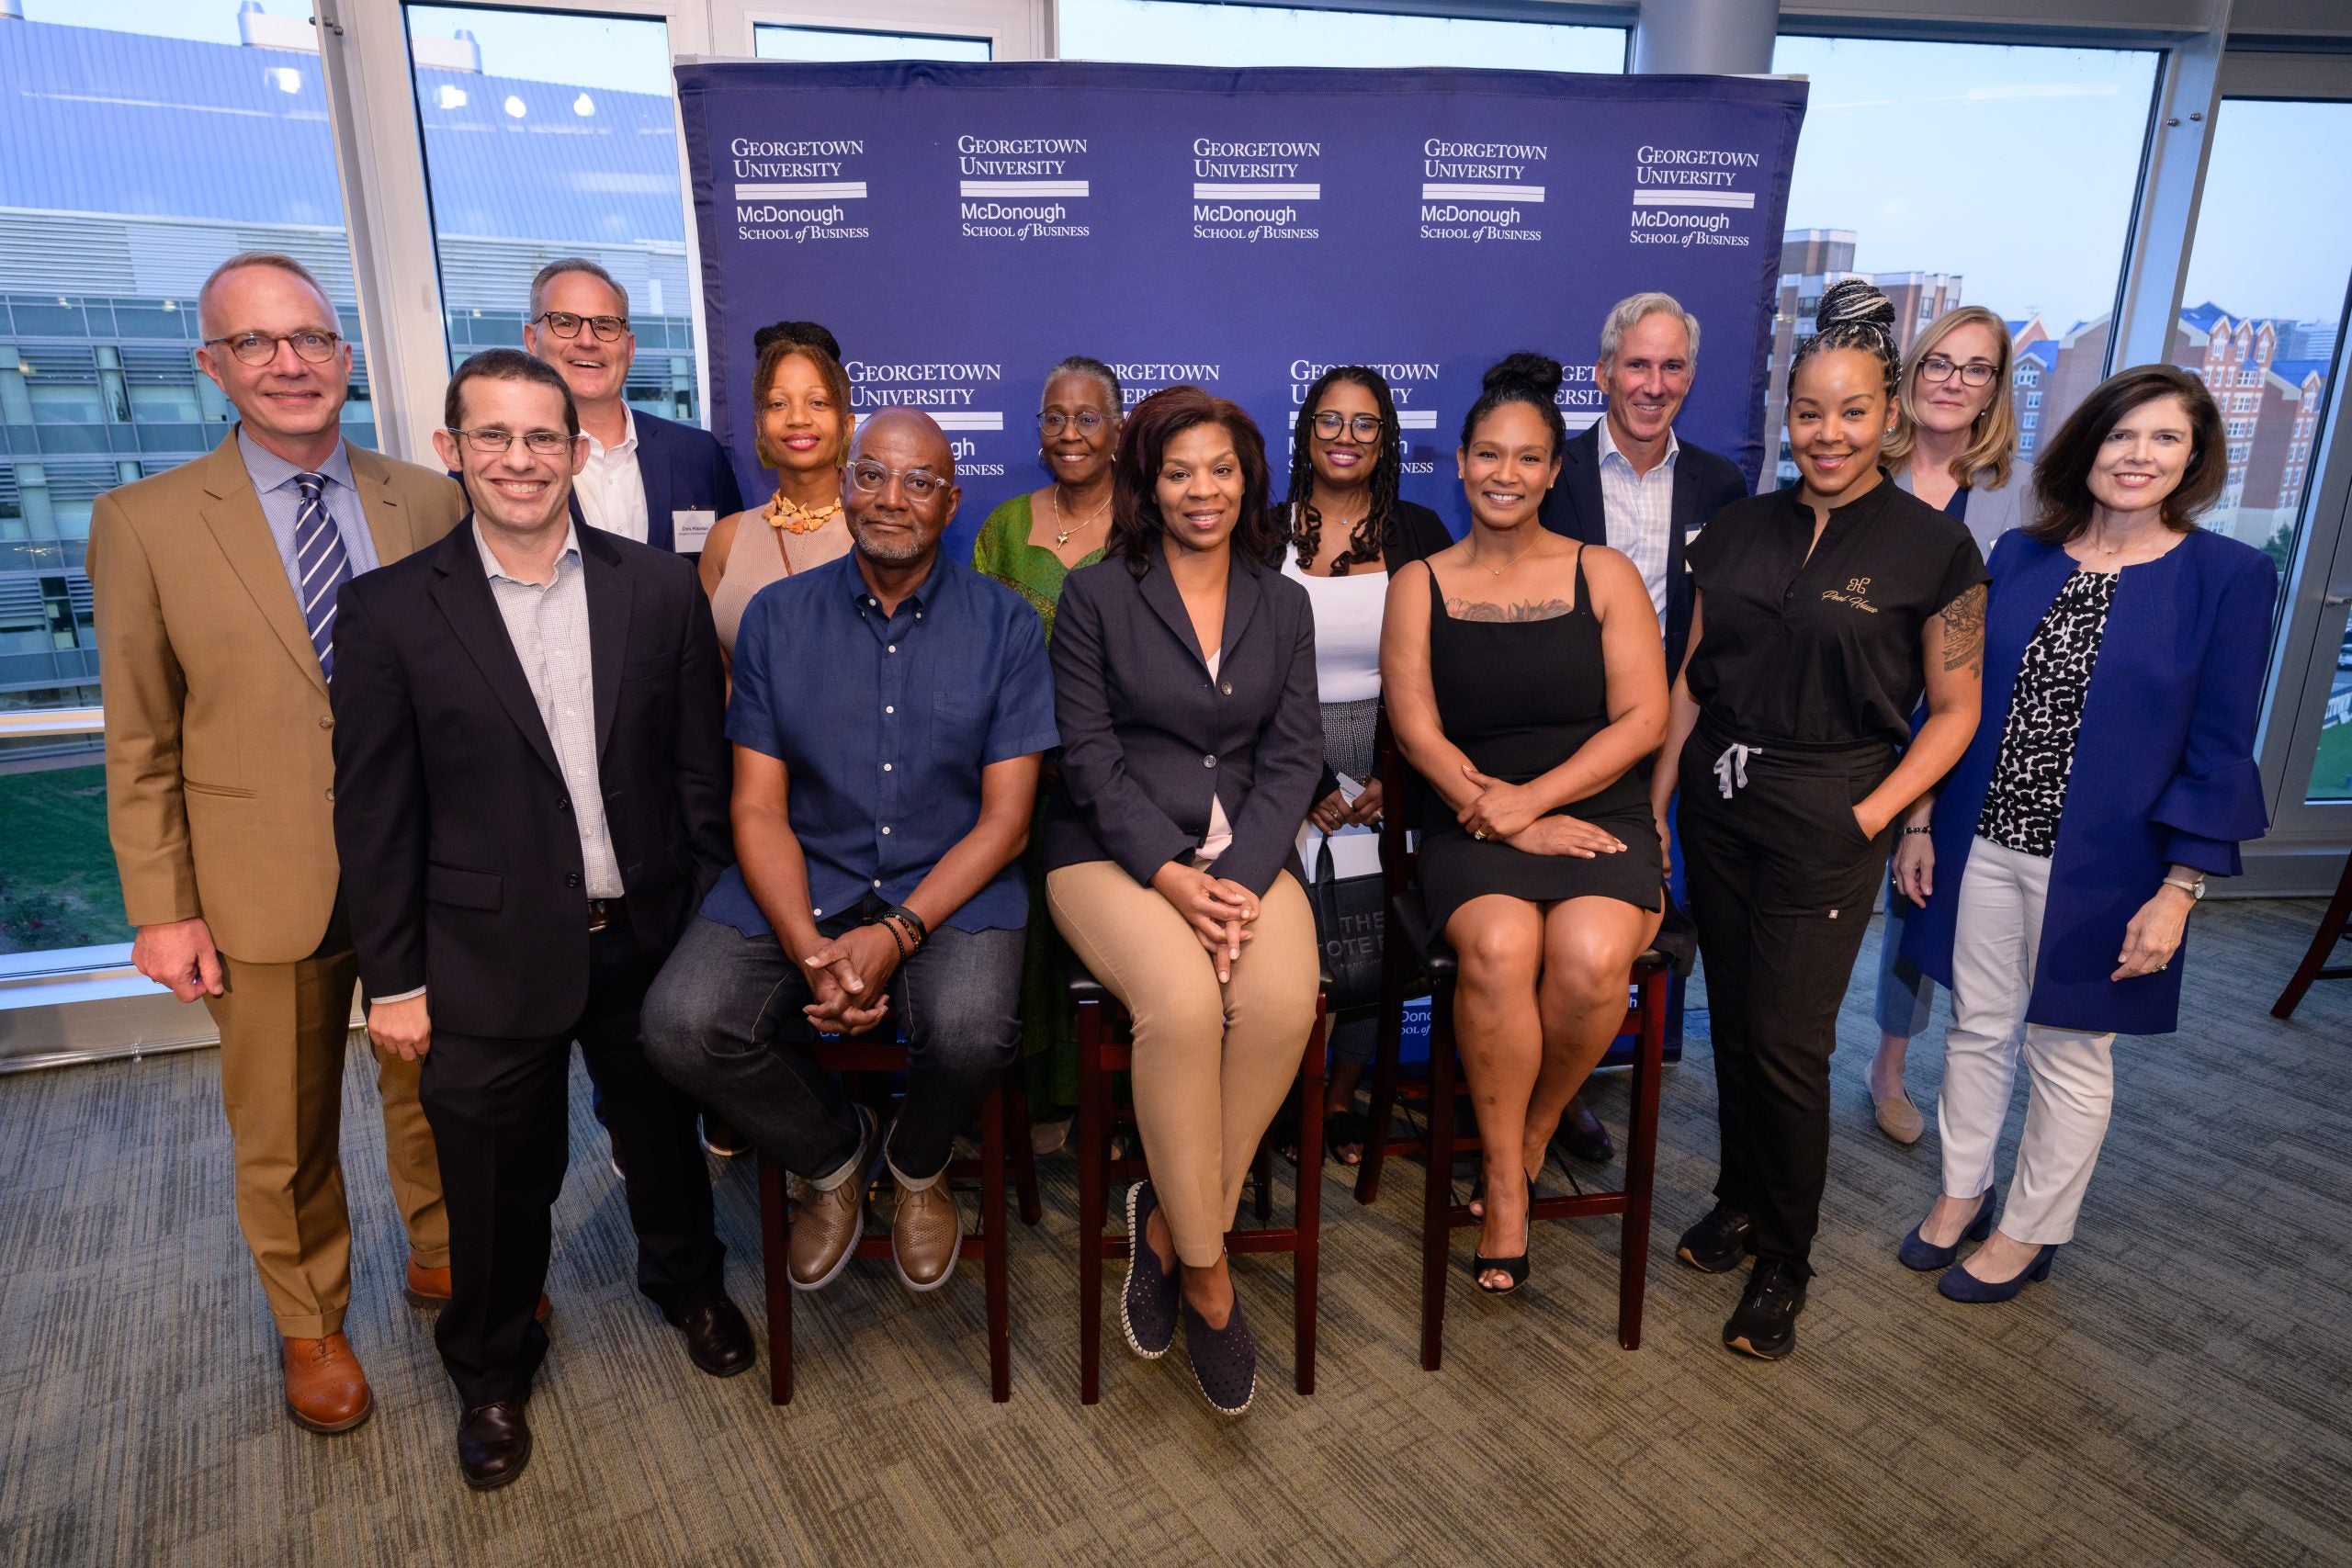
[[789, 516]]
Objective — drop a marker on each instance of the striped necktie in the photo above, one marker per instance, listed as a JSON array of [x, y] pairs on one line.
[[319, 566]]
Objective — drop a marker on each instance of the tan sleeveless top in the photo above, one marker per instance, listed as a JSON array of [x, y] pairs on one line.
[[753, 561]]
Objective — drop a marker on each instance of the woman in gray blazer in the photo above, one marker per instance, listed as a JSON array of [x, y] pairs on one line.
[[1192, 742], [1954, 446]]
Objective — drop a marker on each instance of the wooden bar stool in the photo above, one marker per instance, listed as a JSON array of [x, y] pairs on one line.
[[1099, 1054], [1004, 1123], [2315, 964], [1413, 958]]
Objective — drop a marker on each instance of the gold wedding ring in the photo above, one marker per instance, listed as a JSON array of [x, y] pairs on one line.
[[1479, 834]]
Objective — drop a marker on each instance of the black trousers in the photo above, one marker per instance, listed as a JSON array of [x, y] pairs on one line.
[[500, 1115], [1782, 882]]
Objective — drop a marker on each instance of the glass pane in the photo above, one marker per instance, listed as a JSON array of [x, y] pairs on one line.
[[2268, 282], [153, 139], [1872, 195], [1179, 32], [771, 42], [549, 135]]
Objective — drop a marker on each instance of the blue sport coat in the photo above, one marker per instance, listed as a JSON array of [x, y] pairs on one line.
[[683, 470], [2163, 774]]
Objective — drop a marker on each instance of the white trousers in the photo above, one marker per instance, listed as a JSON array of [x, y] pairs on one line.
[[2071, 1076]]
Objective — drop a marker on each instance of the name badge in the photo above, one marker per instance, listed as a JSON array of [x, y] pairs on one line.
[[688, 529]]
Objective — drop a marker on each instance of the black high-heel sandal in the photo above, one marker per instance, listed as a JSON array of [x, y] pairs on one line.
[[1516, 1268]]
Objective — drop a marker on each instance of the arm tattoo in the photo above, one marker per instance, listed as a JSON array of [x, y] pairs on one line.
[[1476, 610], [1963, 621]]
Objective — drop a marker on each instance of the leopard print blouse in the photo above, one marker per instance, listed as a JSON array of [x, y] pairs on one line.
[[2028, 787]]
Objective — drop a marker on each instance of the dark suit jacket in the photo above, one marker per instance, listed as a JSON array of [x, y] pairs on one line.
[[683, 470], [461, 861], [1146, 732], [1704, 484]]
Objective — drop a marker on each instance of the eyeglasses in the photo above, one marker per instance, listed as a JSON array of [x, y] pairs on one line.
[[1328, 424], [921, 484], [1939, 368], [260, 348], [565, 323], [494, 442], [1052, 424]]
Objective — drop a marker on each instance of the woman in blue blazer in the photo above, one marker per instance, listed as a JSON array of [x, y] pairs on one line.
[[1192, 742], [2113, 774]]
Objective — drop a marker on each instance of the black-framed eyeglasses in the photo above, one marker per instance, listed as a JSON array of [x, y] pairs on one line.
[[1939, 368], [494, 441], [566, 323], [1330, 422], [1088, 421], [259, 348], [921, 484]]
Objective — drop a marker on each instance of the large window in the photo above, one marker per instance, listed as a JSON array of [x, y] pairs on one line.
[[1181, 32], [1968, 174], [147, 140], [549, 135], [770, 41]]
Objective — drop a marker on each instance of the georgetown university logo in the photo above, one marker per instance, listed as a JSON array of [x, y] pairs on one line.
[[1477, 190], [1249, 190], [1407, 381], [1686, 196], [793, 191], [1020, 187]]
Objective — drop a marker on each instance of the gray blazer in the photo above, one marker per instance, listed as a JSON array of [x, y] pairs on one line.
[[1147, 737], [1991, 512]]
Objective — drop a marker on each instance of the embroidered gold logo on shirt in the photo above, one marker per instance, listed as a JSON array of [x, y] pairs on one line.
[[1855, 592]]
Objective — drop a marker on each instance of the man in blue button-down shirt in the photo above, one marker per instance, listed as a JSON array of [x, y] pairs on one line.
[[890, 712]]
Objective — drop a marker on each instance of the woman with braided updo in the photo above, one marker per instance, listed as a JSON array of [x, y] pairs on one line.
[[1348, 531], [1823, 612]]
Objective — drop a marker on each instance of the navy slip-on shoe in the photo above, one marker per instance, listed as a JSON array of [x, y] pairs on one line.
[[1147, 1305], [1958, 1284], [1225, 1360]]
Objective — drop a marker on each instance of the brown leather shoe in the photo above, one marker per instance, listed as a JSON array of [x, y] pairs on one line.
[[430, 1288], [926, 1236], [325, 1390], [826, 1224]]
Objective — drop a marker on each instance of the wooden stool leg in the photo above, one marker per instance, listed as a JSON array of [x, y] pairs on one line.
[[1262, 1176], [776, 1240], [1641, 1162], [1389, 1044], [1437, 1196], [1024, 1152], [2324, 942], [1093, 1178], [1306, 1263], [994, 1235]]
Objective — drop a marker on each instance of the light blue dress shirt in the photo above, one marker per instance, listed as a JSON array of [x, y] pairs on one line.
[[281, 500]]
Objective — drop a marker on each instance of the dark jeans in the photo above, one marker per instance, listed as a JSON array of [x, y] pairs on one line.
[[1782, 886], [499, 1113], [724, 1023]]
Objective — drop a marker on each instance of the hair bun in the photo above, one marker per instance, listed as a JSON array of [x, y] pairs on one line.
[[1539, 373], [1854, 302]]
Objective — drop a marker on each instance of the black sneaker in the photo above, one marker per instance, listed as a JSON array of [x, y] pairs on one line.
[[1225, 1360], [1764, 1324], [1147, 1305], [1717, 1244]]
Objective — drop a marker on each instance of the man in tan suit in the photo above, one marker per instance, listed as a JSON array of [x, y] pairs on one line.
[[216, 585]]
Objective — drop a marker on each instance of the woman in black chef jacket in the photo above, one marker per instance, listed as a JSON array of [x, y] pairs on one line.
[[1823, 611]]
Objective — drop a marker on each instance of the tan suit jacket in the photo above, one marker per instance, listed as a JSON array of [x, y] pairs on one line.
[[219, 768]]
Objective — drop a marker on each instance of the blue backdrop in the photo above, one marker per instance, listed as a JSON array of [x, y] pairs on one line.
[[960, 228]]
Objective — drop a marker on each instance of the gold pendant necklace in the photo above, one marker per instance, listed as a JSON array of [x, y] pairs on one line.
[[1062, 537], [1499, 570]]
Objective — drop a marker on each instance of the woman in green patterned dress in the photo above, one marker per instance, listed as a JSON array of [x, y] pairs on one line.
[[1030, 544]]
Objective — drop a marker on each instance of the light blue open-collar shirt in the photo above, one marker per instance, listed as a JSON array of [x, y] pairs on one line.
[[281, 502]]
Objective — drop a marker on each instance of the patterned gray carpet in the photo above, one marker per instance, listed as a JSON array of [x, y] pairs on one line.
[[2177, 1394]]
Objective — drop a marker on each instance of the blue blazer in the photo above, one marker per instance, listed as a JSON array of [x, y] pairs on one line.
[[683, 470], [2163, 774], [1704, 484]]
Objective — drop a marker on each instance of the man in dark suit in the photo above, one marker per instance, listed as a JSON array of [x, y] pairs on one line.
[[646, 478], [530, 802], [1611, 476]]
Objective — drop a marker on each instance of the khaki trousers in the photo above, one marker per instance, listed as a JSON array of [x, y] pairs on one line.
[[282, 1032], [1212, 1062]]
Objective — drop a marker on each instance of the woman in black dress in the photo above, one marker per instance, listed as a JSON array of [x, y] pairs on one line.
[[1526, 681]]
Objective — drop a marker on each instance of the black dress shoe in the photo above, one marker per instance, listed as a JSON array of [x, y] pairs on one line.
[[493, 1444], [1582, 1136], [719, 1340], [1764, 1324], [1716, 1244]]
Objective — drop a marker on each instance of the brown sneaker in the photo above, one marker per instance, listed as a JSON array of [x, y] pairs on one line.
[[926, 1236], [430, 1288], [325, 1390], [826, 1224]]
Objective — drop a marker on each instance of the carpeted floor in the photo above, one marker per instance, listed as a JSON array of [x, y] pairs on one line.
[[2178, 1393]]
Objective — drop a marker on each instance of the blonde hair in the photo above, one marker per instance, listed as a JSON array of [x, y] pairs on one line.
[[1994, 444]]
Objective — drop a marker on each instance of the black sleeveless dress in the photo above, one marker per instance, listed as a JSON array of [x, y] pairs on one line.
[[1519, 698]]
